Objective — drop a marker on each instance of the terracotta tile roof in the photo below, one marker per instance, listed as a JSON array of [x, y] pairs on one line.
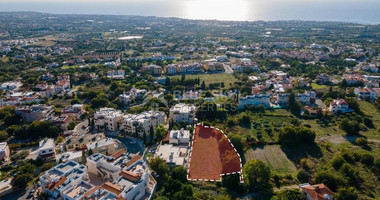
[[130, 175], [166, 138], [133, 160], [112, 188], [118, 153], [90, 192], [52, 186], [317, 192]]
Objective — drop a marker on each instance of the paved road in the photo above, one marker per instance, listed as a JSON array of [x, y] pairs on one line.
[[78, 130], [228, 69], [19, 194]]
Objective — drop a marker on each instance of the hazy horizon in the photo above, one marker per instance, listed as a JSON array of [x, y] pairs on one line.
[[236, 10]]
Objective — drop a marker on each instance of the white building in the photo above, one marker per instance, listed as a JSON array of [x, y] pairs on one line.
[[134, 93], [179, 137], [106, 146], [62, 177], [79, 191], [116, 74], [254, 100], [75, 156], [128, 175], [107, 119], [339, 106], [46, 149], [366, 93], [173, 155], [4, 151], [182, 113], [11, 85], [246, 64], [139, 124], [316, 192], [304, 98]]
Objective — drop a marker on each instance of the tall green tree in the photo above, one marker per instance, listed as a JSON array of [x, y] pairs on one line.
[[256, 174]]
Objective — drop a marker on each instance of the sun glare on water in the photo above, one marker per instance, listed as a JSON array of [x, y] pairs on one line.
[[217, 9]]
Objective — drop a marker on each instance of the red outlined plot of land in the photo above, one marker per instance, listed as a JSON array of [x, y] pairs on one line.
[[212, 155]]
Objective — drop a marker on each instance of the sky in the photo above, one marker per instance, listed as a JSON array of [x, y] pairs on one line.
[[362, 11]]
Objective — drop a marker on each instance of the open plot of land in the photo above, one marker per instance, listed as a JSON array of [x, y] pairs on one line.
[[273, 156], [213, 78], [212, 155]]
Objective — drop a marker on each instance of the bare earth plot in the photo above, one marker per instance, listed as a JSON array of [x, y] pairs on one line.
[[273, 156], [212, 155]]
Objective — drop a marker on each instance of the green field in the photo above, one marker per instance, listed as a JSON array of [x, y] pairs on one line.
[[213, 78], [315, 86], [273, 156]]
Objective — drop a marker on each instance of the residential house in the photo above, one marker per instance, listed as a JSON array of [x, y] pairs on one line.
[[116, 74], [323, 79], [316, 192], [46, 149], [76, 110], [79, 142], [254, 100], [366, 93], [11, 85], [4, 151], [339, 106], [179, 137], [106, 146], [152, 69]]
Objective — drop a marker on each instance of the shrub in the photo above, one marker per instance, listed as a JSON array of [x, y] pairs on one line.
[[361, 141], [304, 163], [367, 159], [303, 176], [337, 162]]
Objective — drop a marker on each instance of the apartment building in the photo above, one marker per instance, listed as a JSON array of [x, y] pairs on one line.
[[127, 174], [34, 112], [139, 124], [62, 177], [107, 119], [182, 113]]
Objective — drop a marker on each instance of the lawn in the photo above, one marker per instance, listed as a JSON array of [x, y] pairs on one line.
[[371, 111], [273, 156], [315, 86], [213, 78]]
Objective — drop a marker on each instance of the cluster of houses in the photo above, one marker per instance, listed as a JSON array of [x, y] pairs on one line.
[[271, 90], [41, 90], [41, 112], [120, 175]]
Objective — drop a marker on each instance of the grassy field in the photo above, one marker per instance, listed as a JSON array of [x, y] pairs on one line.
[[5, 59], [315, 86], [273, 156], [213, 78]]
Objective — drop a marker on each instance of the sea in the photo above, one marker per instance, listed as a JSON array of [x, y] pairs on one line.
[[359, 11]]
